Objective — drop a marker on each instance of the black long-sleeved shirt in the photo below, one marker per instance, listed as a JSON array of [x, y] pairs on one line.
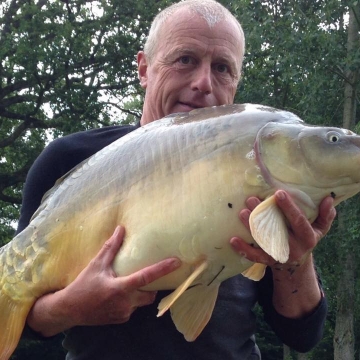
[[230, 331]]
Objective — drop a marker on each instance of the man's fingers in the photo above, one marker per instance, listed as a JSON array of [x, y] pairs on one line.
[[287, 205], [327, 214], [252, 202], [299, 223], [254, 254], [244, 216], [111, 247], [153, 272]]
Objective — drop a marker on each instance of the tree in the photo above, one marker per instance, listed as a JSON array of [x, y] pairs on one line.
[[297, 59], [344, 348], [65, 66]]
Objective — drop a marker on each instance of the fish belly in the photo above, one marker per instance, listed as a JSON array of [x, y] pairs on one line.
[[190, 214]]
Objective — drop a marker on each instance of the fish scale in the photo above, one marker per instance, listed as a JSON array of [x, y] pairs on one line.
[[177, 185]]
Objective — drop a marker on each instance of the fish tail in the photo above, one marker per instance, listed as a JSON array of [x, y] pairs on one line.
[[12, 320]]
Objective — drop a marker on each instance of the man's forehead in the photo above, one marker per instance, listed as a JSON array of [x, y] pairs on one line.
[[190, 36], [185, 24], [186, 15], [209, 15]]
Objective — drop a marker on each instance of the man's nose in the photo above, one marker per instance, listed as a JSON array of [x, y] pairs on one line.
[[202, 80]]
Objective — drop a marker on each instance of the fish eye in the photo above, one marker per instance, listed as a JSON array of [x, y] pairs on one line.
[[333, 136]]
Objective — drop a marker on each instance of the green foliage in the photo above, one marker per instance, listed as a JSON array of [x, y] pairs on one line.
[[65, 67], [292, 58], [133, 109]]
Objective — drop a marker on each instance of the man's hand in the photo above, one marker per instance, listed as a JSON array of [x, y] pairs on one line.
[[303, 236], [296, 290], [97, 296]]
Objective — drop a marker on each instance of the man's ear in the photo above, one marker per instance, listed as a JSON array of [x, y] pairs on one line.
[[142, 68]]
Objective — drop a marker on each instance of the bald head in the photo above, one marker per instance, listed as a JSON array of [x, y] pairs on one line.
[[211, 11]]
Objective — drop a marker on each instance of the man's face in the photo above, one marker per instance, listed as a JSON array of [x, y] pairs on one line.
[[194, 66]]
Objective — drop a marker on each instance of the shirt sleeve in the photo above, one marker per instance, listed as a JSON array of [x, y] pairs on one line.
[[40, 178], [300, 334], [60, 156]]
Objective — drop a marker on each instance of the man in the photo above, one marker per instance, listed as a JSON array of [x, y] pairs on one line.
[[192, 59]]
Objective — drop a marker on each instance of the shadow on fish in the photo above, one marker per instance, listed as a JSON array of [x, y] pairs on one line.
[[177, 185]]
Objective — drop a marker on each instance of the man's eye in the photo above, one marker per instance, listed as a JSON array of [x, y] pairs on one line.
[[185, 60], [221, 68]]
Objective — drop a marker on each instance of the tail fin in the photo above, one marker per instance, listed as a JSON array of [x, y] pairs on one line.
[[12, 320]]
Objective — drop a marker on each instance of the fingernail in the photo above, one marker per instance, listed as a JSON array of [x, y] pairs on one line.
[[281, 195], [332, 214], [175, 263], [244, 216], [117, 230]]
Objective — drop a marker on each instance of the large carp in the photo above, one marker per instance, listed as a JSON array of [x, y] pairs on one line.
[[177, 185]]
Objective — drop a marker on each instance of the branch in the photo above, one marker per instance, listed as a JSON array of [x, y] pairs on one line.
[[8, 180], [356, 14], [10, 199], [126, 111], [340, 72], [118, 86], [16, 99], [28, 123], [19, 85]]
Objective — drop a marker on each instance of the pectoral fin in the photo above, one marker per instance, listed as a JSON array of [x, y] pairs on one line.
[[193, 310], [255, 272], [268, 228], [169, 300]]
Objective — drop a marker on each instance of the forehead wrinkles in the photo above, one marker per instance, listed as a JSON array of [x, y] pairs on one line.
[[187, 37]]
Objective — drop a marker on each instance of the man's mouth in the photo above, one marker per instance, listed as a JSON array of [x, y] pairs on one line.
[[191, 105]]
